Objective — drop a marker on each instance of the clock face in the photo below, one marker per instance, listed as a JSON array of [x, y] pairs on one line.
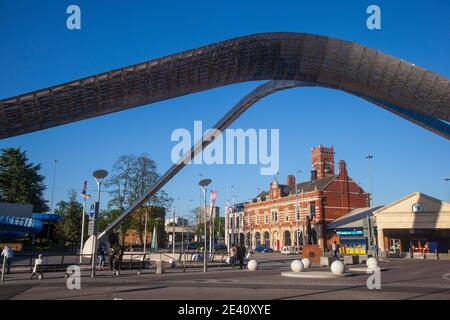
[[417, 207]]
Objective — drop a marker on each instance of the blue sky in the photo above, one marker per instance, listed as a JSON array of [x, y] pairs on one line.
[[38, 51]]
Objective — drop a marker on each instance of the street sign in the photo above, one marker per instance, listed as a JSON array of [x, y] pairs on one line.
[[92, 212], [91, 228]]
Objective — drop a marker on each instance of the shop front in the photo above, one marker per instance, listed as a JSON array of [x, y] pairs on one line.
[[414, 226], [351, 241]]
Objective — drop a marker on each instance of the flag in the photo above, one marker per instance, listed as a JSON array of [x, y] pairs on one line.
[[83, 191], [212, 203]]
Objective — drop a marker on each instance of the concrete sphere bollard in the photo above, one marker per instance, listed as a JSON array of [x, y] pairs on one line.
[[252, 265], [297, 266], [337, 267], [371, 263], [306, 263]]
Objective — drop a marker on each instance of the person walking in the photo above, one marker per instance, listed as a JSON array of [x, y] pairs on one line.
[[37, 267], [101, 257], [233, 253], [241, 255], [335, 250], [8, 253], [118, 255], [111, 254]]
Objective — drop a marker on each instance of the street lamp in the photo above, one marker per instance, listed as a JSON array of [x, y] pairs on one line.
[[204, 186], [99, 175], [369, 158], [448, 191], [296, 207]]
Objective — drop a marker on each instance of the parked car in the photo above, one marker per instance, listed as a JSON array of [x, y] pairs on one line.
[[289, 250], [263, 248]]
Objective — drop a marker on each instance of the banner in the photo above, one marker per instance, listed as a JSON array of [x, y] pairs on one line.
[[212, 203]]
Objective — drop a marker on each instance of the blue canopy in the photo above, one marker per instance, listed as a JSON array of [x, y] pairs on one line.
[[17, 227]]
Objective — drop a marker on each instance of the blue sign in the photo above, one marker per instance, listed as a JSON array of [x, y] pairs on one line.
[[92, 212], [349, 232]]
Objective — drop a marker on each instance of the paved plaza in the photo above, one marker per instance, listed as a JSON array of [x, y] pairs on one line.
[[402, 279]]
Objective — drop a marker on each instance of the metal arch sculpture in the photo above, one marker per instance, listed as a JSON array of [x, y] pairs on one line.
[[313, 59], [248, 101]]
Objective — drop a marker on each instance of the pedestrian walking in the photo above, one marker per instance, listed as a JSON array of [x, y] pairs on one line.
[[335, 249], [118, 255], [111, 254], [232, 255], [8, 253], [101, 253], [37, 269], [241, 255]]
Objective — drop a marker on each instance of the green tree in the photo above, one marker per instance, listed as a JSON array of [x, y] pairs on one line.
[[131, 177], [20, 181], [68, 229]]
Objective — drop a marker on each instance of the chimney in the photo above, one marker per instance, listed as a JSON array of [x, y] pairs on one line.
[[290, 180], [342, 168]]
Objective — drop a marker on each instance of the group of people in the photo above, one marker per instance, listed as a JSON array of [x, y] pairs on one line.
[[238, 254]]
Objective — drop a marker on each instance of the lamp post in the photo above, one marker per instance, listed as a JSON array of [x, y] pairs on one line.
[[296, 207], [204, 186], [53, 187], [85, 197], [145, 230], [369, 158], [99, 175], [448, 190]]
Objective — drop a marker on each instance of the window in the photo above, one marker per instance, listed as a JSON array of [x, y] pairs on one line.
[[312, 209], [266, 217], [257, 217], [274, 216], [286, 214]]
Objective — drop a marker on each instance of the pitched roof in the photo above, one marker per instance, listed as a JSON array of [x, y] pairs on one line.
[[353, 219], [306, 186]]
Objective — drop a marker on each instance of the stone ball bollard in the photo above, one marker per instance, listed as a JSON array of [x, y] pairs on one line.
[[371, 263], [297, 266], [337, 267], [306, 263], [252, 265]]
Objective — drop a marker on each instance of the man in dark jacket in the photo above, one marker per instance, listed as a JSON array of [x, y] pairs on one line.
[[241, 255]]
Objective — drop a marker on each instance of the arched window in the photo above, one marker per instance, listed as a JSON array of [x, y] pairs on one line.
[[267, 239], [266, 217], [287, 238], [257, 238]]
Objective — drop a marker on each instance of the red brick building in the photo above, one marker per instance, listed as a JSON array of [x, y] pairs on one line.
[[270, 218]]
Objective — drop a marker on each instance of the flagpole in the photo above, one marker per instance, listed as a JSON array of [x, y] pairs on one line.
[[82, 229]]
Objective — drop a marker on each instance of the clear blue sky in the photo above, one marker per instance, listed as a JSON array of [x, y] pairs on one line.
[[37, 51]]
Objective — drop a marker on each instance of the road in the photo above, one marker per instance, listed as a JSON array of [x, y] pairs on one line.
[[402, 279]]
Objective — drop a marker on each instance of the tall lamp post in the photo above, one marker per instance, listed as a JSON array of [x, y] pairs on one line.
[[369, 158], [204, 186], [99, 175], [85, 197], [296, 207], [448, 190]]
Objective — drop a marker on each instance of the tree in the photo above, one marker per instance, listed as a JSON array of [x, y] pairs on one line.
[[131, 177], [20, 181], [68, 229]]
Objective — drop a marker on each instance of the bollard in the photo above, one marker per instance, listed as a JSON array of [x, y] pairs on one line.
[[3, 268], [159, 267]]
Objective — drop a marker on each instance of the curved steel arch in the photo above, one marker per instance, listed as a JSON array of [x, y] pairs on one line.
[[313, 59], [249, 100]]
